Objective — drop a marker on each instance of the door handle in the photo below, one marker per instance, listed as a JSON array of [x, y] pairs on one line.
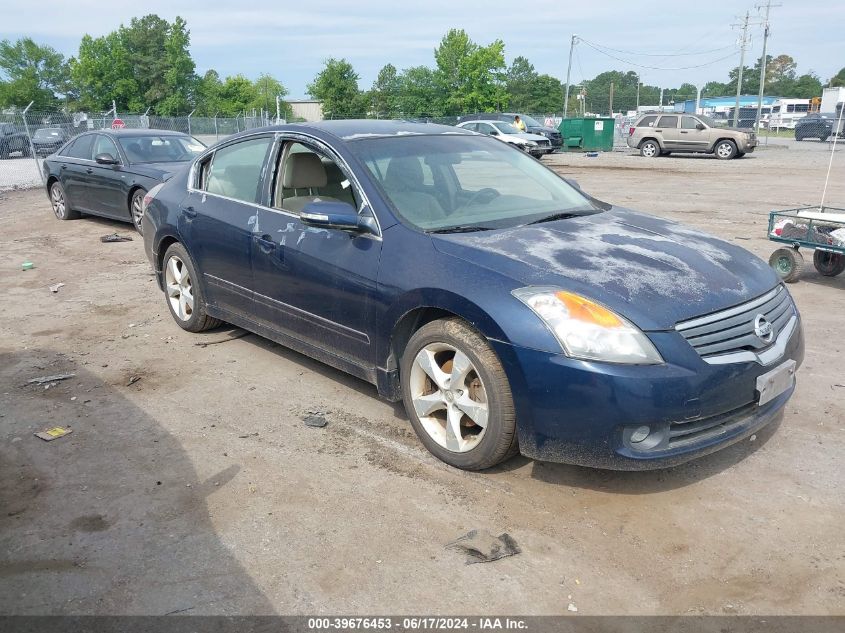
[[64, 167], [265, 243], [189, 212], [684, 132]]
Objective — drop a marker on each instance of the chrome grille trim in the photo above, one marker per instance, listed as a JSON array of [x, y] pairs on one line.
[[729, 336]]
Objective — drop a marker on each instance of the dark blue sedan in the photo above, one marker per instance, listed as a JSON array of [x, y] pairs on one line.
[[510, 311], [108, 172]]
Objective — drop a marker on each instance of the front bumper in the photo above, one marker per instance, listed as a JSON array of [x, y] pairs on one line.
[[584, 413]]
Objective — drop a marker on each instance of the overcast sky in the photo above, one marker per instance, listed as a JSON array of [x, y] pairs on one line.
[[291, 39]]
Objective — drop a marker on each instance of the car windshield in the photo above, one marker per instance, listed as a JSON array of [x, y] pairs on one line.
[[160, 149], [456, 182], [44, 133], [506, 128], [530, 121]]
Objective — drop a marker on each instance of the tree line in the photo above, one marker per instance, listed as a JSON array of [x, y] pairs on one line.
[[148, 64]]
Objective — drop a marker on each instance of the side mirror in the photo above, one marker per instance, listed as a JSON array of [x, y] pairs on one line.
[[700, 126], [495, 132], [105, 159], [330, 214]]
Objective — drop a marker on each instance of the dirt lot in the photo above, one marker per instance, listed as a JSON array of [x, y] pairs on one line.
[[198, 489]]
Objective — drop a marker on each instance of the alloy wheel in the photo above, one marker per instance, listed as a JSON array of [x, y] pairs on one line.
[[180, 292], [724, 150], [449, 397], [137, 210], [650, 150], [57, 198]]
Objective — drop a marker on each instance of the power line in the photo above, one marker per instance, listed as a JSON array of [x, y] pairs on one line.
[[629, 62], [678, 54]]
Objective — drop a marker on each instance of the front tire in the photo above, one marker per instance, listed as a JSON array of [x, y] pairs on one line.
[[59, 201], [184, 295], [725, 149], [457, 396], [788, 263], [649, 149], [136, 209]]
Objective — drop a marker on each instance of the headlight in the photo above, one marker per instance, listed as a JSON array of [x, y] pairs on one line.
[[587, 330], [529, 143]]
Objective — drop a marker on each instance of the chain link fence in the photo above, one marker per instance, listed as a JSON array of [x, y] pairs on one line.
[[27, 137]]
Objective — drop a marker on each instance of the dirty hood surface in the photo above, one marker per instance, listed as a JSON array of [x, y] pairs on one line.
[[652, 271]]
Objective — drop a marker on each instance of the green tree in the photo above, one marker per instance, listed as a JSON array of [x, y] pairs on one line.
[[35, 73], [237, 94], [103, 72], [532, 93], [266, 90], [208, 91], [838, 79], [471, 77], [384, 95], [337, 87], [179, 77], [419, 93]]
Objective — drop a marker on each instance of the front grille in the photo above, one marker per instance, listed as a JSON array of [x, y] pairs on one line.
[[733, 330], [692, 431], [543, 143]]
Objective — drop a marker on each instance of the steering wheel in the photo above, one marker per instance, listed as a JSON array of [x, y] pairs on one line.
[[487, 194]]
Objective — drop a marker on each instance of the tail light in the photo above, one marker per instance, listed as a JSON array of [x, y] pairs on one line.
[[631, 130], [150, 195]]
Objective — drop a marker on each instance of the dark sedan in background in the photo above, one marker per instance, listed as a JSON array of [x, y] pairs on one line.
[[47, 140], [108, 172], [507, 308]]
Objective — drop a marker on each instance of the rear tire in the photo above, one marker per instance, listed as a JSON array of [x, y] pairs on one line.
[[649, 149], [457, 396], [828, 264], [725, 149], [59, 201], [184, 295], [787, 263], [136, 209]]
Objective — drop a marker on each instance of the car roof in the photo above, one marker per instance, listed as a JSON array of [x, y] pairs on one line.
[[356, 129], [497, 121], [136, 132]]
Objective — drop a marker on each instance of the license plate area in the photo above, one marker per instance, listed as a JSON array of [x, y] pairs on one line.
[[773, 383]]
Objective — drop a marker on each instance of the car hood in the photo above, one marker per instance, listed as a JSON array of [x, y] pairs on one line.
[[159, 171], [652, 271]]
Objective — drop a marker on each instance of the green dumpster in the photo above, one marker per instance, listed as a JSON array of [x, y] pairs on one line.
[[587, 134]]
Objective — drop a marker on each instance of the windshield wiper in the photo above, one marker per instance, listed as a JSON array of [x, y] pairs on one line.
[[557, 216], [466, 228]]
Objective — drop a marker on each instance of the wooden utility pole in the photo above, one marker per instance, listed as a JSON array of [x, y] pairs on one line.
[[742, 46]]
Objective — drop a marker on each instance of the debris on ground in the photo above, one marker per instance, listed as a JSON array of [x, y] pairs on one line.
[[133, 380], [482, 547], [47, 379], [48, 435], [317, 421], [572, 608], [114, 237], [27, 266], [243, 437], [234, 337], [56, 287]]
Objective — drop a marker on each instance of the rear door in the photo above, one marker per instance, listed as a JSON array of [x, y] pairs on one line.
[[690, 137], [666, 130], [219, 216]]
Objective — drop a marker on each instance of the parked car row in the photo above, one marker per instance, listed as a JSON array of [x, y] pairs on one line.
[[509, 310]]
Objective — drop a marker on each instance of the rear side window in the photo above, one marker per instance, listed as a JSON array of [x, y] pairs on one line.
[[81, 147], [668, 121], [235, 170], [647, 121]]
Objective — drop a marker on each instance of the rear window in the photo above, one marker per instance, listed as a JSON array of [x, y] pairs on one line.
[[235, 170], [668, 121], [647, 121]]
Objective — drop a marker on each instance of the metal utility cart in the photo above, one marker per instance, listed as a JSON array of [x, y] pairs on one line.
[[810, 227]]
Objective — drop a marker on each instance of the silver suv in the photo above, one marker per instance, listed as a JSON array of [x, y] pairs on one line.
[[661, 134]]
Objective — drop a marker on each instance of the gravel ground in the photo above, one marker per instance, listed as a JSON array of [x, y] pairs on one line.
[[190, 483]]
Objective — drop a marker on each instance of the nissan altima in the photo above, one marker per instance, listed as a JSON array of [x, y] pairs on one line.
[[509, 311], [108, 172]]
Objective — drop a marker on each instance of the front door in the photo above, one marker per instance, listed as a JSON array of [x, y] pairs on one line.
[[218, 218], [315, 284], [107, 183], [691, 137]]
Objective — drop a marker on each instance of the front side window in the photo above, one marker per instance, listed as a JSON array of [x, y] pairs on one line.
[[81, 147], [689, 123], [235, 170], [476, 183], [507, 128], [307, 174], [104, 145], [668, 121], [485, 128]]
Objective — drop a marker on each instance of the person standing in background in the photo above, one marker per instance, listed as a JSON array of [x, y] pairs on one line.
[[518, 124]]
